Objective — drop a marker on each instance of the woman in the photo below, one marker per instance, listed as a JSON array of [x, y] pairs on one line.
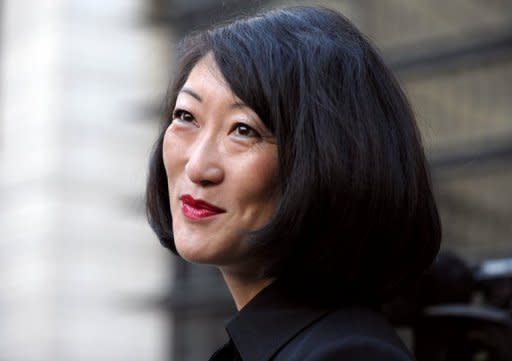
[[291, 160]]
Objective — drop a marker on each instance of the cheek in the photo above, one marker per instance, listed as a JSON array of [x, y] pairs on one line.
[[266, 172], [260, 182], [170, 155], [174, 163], [166, 150]]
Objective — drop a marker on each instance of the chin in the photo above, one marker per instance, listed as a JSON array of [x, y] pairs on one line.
[[203, 258], [192, 254], [196, 254]]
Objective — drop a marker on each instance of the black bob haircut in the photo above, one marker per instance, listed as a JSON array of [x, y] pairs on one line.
[[356, 216]]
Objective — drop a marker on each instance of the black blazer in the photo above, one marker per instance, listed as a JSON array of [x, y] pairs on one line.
[[275, 327]]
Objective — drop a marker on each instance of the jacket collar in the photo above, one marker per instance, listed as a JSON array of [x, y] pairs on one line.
[[269, 321]]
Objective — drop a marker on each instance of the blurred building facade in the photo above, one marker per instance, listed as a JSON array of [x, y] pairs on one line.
[[79, 267]]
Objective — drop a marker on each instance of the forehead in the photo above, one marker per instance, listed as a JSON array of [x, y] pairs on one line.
[[206, 77]]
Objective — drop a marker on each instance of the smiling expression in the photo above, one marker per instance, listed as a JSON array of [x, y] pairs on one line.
[[221, 165]]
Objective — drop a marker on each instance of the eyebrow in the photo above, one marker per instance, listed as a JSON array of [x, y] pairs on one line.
[[237, 104], [191, 93]]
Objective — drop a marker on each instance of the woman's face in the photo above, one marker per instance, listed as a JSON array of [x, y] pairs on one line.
[[221, 165]]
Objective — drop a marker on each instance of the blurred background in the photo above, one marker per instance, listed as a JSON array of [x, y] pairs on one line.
[[82, 277]]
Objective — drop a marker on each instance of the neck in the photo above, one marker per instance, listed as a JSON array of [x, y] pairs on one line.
[[243, 289]]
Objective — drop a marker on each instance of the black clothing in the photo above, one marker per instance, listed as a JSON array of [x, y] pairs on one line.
[[273, 326], [226, 352]]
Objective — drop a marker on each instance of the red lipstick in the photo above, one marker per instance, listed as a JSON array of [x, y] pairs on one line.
[[197, 208]]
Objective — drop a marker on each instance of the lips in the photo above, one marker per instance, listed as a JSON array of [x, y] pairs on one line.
[[197, 208]]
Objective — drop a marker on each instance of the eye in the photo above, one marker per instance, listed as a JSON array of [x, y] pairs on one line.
[[243, 130], [182, 115]]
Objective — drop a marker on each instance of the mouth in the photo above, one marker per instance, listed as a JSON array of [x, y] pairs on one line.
[[198, 209]]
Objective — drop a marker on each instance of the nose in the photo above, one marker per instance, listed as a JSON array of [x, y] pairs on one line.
[[204, 163]]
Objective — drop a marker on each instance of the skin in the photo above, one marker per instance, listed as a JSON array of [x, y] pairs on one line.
[[218, 150]]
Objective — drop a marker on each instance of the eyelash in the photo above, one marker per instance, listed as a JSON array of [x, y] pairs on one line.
[[179, 114], [253, 132]]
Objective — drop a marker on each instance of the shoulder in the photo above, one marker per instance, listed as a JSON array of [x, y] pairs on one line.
[[352, 333]]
